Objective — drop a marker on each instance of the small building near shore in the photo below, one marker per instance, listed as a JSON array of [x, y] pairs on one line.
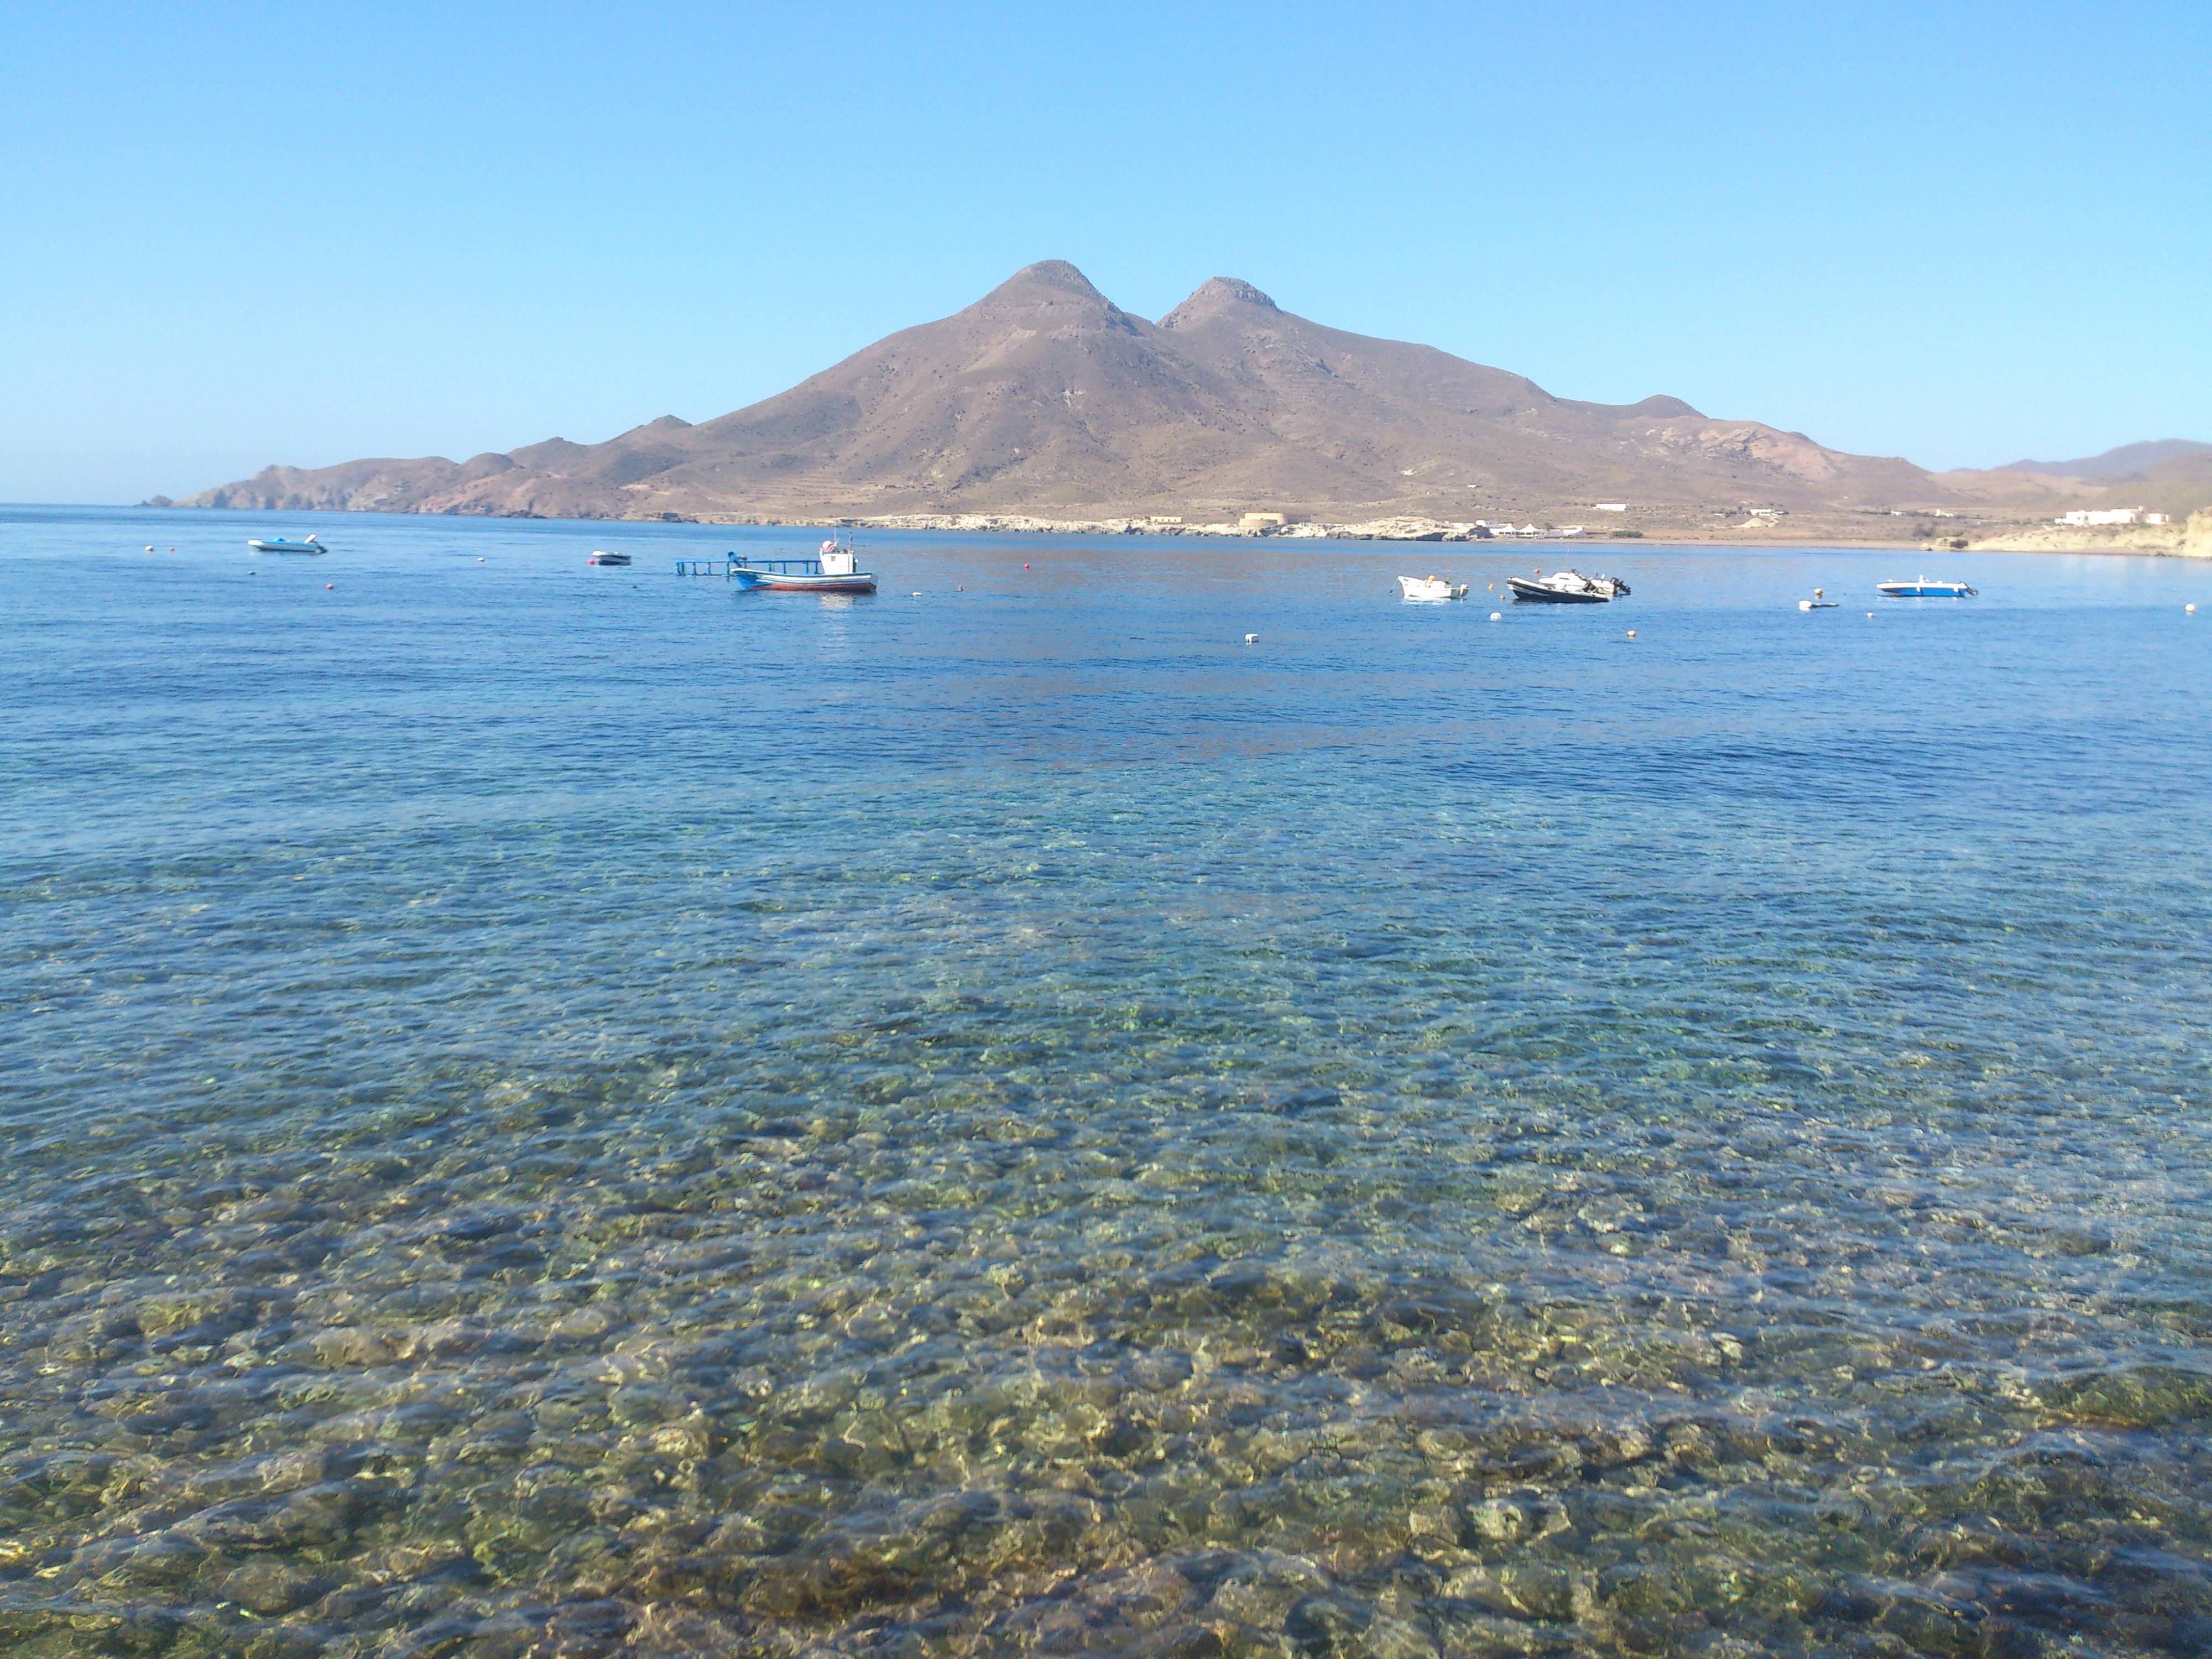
[[2083, 515], [1259, 524]]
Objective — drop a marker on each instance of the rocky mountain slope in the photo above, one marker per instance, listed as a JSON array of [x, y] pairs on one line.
[[1046, 397]]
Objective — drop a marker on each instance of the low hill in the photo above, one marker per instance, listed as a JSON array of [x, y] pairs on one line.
[[1045, 398]]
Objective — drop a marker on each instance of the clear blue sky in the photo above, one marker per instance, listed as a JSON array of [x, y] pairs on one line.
[[233, 234]]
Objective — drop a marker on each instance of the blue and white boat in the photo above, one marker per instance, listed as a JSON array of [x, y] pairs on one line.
[[1921, 588], [835, 569], [278, 545]]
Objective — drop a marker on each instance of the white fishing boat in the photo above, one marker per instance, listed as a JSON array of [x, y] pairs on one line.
[[1430, 587], [1567, 587], [602, 557], [834, 569], [278, 545]]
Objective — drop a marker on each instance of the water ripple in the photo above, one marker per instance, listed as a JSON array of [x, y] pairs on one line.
[[545, 1116]]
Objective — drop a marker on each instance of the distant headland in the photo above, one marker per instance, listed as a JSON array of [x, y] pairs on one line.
[[1045, 405]]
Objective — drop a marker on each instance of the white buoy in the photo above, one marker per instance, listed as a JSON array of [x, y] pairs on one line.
[[480, 559], [2190, 609], [1631, 633], [150, 547], [1497, 616], [917, 593], [1248, 638], [1869, 616]]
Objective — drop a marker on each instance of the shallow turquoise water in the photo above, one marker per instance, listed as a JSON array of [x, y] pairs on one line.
[[563, 1111]]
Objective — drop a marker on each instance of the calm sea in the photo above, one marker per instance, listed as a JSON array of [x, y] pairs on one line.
[[555, 1110]]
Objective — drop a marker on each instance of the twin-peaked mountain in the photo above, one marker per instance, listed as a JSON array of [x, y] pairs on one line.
[[1046, 397]]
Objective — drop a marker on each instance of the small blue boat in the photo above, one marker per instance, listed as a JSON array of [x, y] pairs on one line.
[[1921, 588], [278, 545]]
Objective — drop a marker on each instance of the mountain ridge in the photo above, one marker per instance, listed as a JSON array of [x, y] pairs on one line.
[[1045, 397], [2119, 462]]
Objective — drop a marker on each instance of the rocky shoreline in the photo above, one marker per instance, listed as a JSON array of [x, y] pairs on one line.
[[2189, 540], [2192, 539], [1402, 528]]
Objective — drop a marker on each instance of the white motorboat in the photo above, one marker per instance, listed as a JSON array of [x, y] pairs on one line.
[[1567, 587], [1430, 587], [278, 545], [602, 557]]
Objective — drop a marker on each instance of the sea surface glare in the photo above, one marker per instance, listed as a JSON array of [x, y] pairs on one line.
[[548, 1110]]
